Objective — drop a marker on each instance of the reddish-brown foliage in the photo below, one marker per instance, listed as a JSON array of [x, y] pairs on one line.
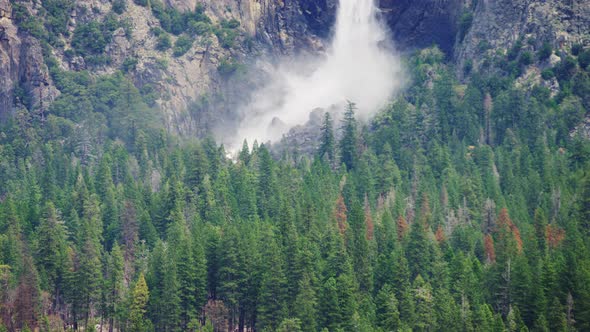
[[402, 227], [505, 225], [489, 249], [503, 219], [340, 215], [425, 212], [554, 235], [517, 237], [440, 235]]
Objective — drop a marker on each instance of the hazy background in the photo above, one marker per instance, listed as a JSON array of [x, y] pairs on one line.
[[359, 65]]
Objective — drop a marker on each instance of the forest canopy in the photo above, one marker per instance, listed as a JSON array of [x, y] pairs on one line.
[[463, 206]]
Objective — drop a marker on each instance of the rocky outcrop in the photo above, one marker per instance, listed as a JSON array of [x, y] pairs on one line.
[[498, 24], [119, 49], [9, 47], [419, 24], [193, 92], [303, 139], [34, 77], [191, 85], [268, 27], [583, 129], [24, 78]]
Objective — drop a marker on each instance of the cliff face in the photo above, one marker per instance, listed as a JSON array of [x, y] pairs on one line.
[[200, 86], [419, 24], [24, 79], [266, 27], [8, 69], [497, 25]]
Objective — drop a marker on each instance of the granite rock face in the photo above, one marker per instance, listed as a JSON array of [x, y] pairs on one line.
[[419, 24], [193, 92], [9, 50], [499, 24], [268, 28], [24, 78]]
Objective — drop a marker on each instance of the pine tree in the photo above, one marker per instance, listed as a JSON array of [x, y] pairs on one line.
[[52, 252], [164, 303], [113, 285], [197, 167], [448, 312], [484, 318], [244, 155], [419, 249], [584, 205], [358, 248], [348, 142], [403, 288], [26, 303], [228, 277], [290, 325], [273, 287], [347, 290], [557, 317], [268, 191], [522, 292], [540, 222], [326, 149], [387, 313], [88, 264], [424, 303], [200, 270], [182, 252], [138, 310], [388, 174], [514, 322], [329, 306], [305, 307]]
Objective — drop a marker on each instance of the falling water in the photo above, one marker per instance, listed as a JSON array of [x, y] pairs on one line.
[[357, 67]]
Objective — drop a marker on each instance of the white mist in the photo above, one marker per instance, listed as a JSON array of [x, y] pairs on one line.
[[358, 66]]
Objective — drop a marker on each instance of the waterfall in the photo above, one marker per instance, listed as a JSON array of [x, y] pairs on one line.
[[357, 66]]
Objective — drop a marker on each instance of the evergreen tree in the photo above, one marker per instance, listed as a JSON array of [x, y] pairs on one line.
[[406, 236], [419, 249], [584, 205], [137, 315], [52, 252], [164, 301], [329, 305], [229, 276], [268, 191], [387, 314], [326, 149], [182, 254], [359, 248], [305, 307], [484, 318], [113, 286], [403, 289], [88, 264], [348, 142], [424, 303], [273, 287], [27, 301]]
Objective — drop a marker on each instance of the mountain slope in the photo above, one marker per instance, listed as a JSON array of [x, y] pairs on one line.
[[199, 84]]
